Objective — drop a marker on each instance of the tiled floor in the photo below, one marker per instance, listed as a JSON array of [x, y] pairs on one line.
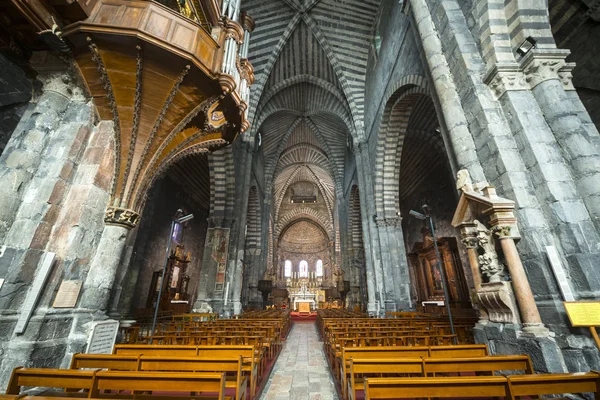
[[301, 372]]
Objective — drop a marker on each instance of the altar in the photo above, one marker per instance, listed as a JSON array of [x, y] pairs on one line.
[[301, 305]]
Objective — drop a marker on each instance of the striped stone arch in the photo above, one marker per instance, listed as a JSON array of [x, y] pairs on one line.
[[319, 179], [392, 130], [303, 153], [316, 92], [253, 220], [323, 84], [304, 213], [529, 18], [355, 219]]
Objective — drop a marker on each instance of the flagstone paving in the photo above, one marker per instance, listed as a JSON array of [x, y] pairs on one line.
[[301, 372]]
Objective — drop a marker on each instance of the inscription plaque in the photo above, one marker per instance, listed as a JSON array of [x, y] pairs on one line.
[[583, 313], [67, 294], [102, 339]]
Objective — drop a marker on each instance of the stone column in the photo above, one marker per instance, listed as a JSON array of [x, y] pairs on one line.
[[530, 316], [103, 269], [372, 265], [24, 151], [455, 121], [549, 77]]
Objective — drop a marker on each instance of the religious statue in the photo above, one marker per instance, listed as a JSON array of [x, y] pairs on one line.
[[465, 183], [490, 267]]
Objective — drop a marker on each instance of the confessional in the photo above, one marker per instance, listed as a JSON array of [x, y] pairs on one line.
[[174, 295]]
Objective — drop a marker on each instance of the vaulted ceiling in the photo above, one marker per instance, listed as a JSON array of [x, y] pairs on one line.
[[310, 61]]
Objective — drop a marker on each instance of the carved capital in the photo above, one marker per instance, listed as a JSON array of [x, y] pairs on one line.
[[503, 231], [504, 77], [470, 241], [122, 217], [540, 65]]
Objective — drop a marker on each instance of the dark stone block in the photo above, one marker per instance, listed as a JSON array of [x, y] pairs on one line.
[[545, 354], [48, 356], [6, 329], [592, 358], [575, 361]]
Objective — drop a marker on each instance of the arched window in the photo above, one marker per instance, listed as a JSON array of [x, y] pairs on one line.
[[288, 268], [319, 268], [303, 269]]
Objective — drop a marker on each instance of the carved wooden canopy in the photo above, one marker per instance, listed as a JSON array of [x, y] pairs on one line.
[[156, 75]]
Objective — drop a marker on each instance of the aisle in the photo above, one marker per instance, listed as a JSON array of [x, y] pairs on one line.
[[301, 372]]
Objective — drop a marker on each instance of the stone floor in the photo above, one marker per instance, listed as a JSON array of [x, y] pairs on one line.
[[301, 372]]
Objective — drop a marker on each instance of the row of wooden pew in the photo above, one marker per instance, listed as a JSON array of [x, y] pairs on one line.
[[465, 370], [157, 371]]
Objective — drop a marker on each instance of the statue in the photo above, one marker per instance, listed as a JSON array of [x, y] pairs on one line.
[[490, 267], [465, 183]]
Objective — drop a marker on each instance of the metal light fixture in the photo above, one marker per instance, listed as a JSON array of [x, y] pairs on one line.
[[178, 219], [442, 271], [525, 47]]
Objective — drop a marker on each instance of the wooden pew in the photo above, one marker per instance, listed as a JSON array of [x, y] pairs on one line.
[[464, 350], [170, 351], [455, 351], [105, 361], [181, 382], [413, 366], [487, 364], [201, 364], [382, 352], [476, 386], [543, 384], [430, 366], [250, 361], [69, 379], [511, 387]]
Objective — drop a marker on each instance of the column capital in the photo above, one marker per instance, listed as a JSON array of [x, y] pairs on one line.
[[503, 77], [540, 65], [124, 217], [506, 232]]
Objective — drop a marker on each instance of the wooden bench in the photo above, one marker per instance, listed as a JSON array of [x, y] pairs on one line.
[[250, 360], [510, 387], [105, 361], [201, 364], [68, 379], [168, 382], [431, 366], [401, 352], [164, 364]]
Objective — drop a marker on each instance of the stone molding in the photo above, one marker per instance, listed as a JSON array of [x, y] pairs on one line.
[[388, 221], [503, 77], [121, 217], [540, 65]]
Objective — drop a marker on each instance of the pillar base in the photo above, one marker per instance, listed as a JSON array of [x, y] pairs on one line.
[[535, 330]]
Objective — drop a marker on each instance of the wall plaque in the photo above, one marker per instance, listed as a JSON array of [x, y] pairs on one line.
[[583, 313], [102, 339], [67, 294], [41, 275]]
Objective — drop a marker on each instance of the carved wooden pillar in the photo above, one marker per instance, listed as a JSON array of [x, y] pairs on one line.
[[532, 322]]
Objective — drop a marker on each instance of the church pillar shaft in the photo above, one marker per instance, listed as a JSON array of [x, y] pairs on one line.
[[373, 262], [42, 137], [577, 137], [464, 149], [103, 269]]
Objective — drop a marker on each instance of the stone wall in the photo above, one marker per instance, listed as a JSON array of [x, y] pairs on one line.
[[57, 169]]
